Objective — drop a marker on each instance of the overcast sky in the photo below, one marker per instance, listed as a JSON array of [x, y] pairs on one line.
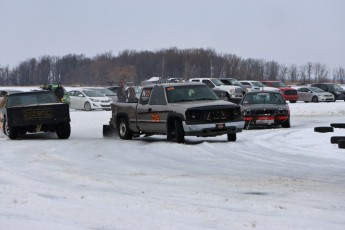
[[286, 31]]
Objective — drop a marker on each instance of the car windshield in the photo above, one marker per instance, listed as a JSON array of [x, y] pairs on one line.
[[316, 90], [337, 87], [217, 82], [263, 98], [92, 93], [104, 91], [190, 93], [278, 84], [257, 83], [31, 99]]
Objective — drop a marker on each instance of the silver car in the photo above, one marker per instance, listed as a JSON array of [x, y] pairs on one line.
[[314, 94]]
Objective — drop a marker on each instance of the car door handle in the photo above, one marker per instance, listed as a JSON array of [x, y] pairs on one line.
[[149, 109]]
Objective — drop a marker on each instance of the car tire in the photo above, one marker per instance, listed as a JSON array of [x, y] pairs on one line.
[[232, 137], [335, 139], [338, 125], [325, 129], [341, 144], [315, 99], [123, 129], [63, 130], [87, 106], [286, 124], [293, 101], [179, 131], [11, 132]]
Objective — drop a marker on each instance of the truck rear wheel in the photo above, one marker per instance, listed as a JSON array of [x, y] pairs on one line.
[[123, 129], [63, 131], [11, 132]]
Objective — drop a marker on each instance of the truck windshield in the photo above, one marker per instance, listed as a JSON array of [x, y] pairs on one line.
[[189, 93]]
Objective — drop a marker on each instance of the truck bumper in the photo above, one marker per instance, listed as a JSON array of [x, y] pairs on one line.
[[214, 129]]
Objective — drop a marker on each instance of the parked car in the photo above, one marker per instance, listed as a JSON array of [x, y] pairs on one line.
[[289, 94], [233, 81], [87, 99], [37, 111], [265, 108], [253, 85], [105, 91], [335, 89], [314, 94]]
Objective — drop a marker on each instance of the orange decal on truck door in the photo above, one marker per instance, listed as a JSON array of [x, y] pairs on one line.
[[155, 117]]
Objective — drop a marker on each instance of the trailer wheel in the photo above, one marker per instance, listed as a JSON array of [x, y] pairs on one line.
[[325, 129], [11, 132], [63, 130], [123, 129]]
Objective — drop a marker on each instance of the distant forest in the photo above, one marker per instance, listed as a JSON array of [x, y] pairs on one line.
[[137, 66]]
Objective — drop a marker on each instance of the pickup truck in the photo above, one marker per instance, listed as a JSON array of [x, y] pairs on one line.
[[34, 112], [233, 93], [176, 110]]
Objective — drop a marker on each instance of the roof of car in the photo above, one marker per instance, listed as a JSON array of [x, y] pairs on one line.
[[175, 84]]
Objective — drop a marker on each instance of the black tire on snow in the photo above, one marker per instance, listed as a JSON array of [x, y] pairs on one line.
[[341, 144], [63, 130], [11, 132], [325, 129], [286, 124], [338, 125], [335, 139], [232, 137], [179, 131], [123, 129]]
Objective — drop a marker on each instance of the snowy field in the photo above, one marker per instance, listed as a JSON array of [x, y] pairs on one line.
[[268, 179]]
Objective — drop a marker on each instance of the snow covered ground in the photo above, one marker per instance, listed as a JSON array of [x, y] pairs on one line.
[[268, 179]]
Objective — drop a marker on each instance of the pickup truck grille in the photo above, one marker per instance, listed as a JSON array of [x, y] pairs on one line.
[[213, 115]]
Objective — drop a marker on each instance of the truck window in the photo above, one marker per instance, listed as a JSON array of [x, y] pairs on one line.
[[208, 83], [145, 96], [157, 96]]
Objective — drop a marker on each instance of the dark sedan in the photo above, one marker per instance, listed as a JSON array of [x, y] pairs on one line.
[[265, 108]]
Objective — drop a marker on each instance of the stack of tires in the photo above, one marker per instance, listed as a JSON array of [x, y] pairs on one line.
[[340, 140]]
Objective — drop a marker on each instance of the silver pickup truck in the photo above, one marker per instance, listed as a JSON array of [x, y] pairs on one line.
[[176, 110]]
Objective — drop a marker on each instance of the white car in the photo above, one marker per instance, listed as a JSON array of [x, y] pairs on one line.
[[105, 91], [257, 86], [87, 99], [314, 94]]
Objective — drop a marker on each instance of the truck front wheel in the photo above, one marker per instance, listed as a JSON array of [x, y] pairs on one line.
[[179, 131], [123, 129]]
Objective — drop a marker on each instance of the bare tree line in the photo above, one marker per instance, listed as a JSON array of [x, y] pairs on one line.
[[137, 66]]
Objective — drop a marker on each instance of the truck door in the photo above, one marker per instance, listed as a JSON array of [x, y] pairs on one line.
[[153, 115]]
